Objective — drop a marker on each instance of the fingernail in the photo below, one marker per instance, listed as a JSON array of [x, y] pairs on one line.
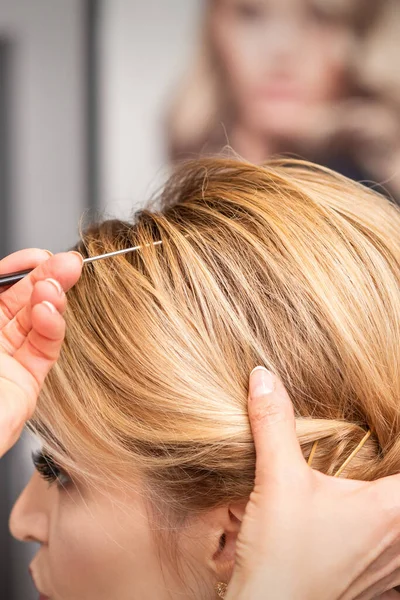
[[57, 285], [78, 254], [47, 251], [50, 306], [262, 381]]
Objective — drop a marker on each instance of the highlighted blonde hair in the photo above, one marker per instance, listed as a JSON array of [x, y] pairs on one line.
[[287, 265]]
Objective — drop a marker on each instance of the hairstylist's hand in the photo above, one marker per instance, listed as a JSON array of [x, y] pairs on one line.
[[304, 535], [31, 332]]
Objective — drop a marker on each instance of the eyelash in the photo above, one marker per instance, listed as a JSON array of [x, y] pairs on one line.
[[49, 470]]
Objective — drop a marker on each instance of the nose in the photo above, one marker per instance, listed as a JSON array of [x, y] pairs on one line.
[[29, 519], [283, 37]]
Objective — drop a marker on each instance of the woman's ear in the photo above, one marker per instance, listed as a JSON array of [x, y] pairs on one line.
[[228, 523], [238, 510]]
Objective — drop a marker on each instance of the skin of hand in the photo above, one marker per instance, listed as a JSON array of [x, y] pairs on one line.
[[32, 330], [305, 535]]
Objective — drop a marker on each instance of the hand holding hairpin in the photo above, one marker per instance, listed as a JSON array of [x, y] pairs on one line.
[[11, 278]]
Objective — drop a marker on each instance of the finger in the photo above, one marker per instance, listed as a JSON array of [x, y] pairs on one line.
[[273, 426], [29, 258], [64, 267], [384, 589], [14, 333], [41, 348], [22, 260]]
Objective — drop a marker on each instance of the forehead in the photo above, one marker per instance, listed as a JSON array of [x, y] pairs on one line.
[[330, 6]]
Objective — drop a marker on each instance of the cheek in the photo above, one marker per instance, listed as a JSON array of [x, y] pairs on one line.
[[326, 67], [98, 551], [238, 53]]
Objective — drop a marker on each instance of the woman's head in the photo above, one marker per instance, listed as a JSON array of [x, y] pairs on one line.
[[272, 69], [286, 265], [281, 59]]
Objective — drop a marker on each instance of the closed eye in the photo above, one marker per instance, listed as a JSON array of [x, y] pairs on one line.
[[49, 470]]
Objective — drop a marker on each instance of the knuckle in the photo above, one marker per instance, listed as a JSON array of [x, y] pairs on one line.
[[50, 353], [266, 412], [5, 343], [20, 328], [12, 335], [5, 310]]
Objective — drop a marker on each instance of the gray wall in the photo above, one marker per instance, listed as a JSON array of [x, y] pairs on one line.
[[47, 120], [145, 48]]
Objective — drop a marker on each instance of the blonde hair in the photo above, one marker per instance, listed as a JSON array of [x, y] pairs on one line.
[[200, 114], [288, 265]]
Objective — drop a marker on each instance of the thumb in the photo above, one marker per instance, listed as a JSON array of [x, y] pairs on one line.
[[273, 426]]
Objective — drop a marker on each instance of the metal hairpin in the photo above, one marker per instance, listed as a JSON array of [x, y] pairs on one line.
[[11, 278]]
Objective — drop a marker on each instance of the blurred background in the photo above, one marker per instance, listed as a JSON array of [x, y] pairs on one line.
[[98, 99]]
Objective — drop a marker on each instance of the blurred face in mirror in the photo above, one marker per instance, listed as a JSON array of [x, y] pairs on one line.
[[282, 60]]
